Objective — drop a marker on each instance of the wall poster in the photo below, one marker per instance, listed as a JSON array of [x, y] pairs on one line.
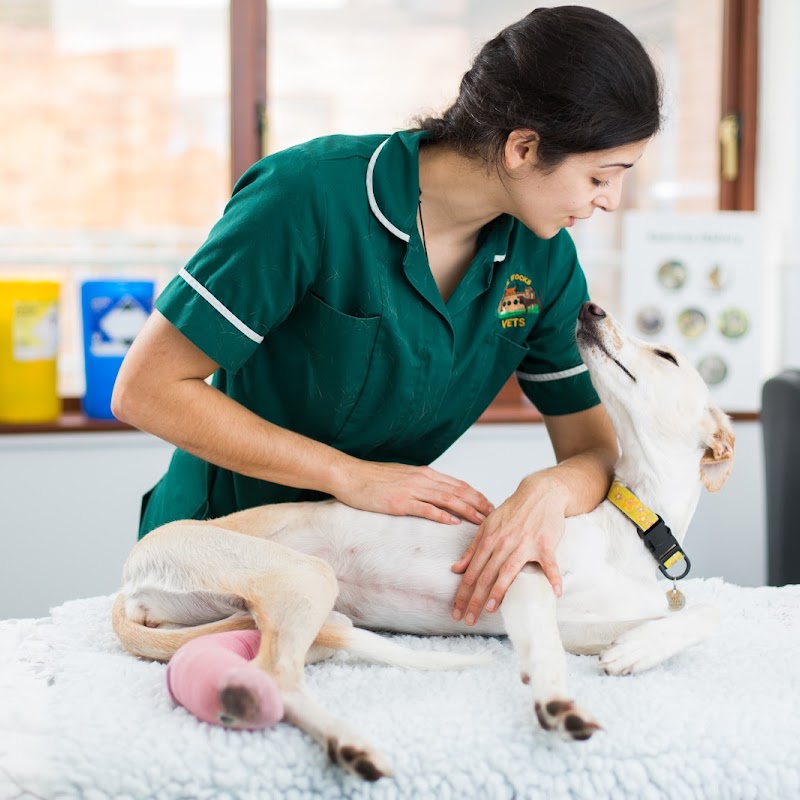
[[700, 282]]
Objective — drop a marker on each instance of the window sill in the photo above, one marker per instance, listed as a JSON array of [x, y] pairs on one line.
[[510, 406], [71, 420]]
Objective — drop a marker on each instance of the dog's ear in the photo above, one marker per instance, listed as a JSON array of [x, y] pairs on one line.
[[720, 448]]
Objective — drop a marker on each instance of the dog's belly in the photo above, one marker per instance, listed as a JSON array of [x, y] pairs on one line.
[[403, 609], [392, 576], [395, 573]]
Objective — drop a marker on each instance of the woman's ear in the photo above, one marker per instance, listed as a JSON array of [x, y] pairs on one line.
[[521, 151], [720, 449]]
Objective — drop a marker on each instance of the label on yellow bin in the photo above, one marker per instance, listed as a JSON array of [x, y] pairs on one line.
[[34, 330]]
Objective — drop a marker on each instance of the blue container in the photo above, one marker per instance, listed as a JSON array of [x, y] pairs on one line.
[[113, 313]]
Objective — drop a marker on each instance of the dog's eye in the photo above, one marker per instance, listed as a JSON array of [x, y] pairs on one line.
[[665, 355]]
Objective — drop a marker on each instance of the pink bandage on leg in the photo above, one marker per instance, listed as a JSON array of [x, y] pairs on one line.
[[212, 677]]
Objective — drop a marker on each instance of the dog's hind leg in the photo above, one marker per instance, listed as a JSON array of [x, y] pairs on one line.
[[290, 608], [290, 596], [529, 615], [295, 616], [344, 747], [652, 642]]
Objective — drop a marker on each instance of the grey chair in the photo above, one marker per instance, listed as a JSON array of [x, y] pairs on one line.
[[780, 421]]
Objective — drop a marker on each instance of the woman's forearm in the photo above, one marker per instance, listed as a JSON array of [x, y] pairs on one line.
[[586, 450], [161, 389], [579, 483], [203, 421]]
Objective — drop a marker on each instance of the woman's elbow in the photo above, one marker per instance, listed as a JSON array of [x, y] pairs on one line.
[[125, 397]]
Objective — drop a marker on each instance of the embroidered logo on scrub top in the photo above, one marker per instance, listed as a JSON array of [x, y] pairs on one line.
[[518, 302]]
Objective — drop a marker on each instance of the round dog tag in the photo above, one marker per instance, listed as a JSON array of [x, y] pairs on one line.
[[676, 600]]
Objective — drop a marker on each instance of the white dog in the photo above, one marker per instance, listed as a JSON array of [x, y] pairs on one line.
[[293, 570]]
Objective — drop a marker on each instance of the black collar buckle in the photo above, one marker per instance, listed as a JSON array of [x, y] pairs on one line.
[[666, 550]]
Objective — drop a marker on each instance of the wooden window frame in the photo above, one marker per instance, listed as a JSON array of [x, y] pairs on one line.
[[740, 98], [248, 59], [248, 125]]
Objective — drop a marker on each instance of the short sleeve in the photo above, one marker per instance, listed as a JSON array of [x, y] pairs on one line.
[[553, 375], [256, 264]]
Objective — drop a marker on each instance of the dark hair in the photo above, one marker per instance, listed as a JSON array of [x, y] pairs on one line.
[[576, 76]]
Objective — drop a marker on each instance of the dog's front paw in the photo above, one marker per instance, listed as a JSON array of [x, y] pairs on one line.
[[566, 719], [653, 642], [637, 650], [358, 758]]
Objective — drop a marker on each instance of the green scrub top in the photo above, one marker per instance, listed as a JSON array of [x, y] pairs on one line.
[[314, 295]]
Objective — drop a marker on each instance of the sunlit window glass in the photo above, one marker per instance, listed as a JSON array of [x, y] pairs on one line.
[[114, 152]]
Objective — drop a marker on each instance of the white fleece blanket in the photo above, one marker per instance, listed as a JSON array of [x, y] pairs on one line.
[[79, 718]]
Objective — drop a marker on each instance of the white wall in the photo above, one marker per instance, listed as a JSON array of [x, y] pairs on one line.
[[778, 164], [71, 510], [71, 506]]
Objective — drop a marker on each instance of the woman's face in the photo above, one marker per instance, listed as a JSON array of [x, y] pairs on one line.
[[546, 202]]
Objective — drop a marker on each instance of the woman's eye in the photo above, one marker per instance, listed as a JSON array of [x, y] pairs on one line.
[[667, 356], [597, 182]]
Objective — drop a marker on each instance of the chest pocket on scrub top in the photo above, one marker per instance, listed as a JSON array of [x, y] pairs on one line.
[[325, 355]]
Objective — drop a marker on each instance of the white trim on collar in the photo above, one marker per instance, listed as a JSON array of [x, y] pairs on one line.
[[371, 197], [373, 203], [552, 376]]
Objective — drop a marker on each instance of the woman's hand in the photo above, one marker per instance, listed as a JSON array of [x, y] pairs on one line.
[[526, 527], [404, 490], [529, 525]]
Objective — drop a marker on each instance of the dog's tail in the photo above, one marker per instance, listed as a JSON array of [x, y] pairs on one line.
[[160, 644], [372, 647]]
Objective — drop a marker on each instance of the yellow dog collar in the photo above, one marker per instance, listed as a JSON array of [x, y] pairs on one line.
[[652, 530]]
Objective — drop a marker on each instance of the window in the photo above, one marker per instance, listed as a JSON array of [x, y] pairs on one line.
[[117, 161]]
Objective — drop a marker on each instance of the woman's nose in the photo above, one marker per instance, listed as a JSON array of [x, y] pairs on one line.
[[609, 200]]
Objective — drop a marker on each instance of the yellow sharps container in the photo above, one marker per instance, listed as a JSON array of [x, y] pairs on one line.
[[28, 350]]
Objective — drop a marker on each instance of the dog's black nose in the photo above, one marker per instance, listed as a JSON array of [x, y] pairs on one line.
[[590, 312]]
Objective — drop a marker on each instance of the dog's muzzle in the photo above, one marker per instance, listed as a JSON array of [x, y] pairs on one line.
[[589, 318]]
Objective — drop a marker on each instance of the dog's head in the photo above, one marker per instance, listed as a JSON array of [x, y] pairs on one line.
[[655, 396]]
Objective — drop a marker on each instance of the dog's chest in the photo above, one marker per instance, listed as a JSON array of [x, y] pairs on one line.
[[607, 572], [603, 538]]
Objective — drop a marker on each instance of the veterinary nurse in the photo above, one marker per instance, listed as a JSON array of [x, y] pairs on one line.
[[363, 299]]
